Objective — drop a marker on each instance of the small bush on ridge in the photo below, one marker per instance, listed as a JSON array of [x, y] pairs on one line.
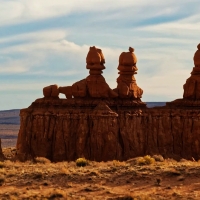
[[81, 162], [146, 160]]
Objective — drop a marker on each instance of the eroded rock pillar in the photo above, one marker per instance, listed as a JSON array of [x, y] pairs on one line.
[[127, 86]]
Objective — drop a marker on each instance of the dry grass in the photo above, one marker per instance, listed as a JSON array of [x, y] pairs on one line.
[[41, 179]]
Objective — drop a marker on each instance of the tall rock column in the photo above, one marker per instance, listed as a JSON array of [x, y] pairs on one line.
[[127, 86], [96, 84], [192, 85]]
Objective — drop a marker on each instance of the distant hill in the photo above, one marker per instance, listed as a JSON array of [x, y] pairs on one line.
[[155, 104], [10, 116]]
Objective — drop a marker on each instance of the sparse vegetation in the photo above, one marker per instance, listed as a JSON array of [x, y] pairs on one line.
[[146, 160], [144, 180], [81, 162]]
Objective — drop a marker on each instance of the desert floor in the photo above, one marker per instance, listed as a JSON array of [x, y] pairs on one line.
[[138, 178]]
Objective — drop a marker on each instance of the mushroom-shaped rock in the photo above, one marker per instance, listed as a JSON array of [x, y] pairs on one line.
[[128, 58], [95, 56], [127, 87], [93, 85]]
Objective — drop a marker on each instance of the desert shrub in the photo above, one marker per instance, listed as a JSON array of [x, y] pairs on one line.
[[42, 160], [2, 165], [81, 162], [146, 160]]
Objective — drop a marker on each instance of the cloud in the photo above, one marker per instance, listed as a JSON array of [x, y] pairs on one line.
[[23, 11], [45, 43]]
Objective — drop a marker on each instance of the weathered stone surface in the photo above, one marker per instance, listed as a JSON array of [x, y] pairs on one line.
[[192, 85], [51, 91], [197, 57], [66, 129], [127, 86], [67, 90], [2, 158], [99, 127], [92, 86]]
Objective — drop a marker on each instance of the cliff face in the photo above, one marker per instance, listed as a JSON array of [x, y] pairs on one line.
[[102, 124], [63, 130]]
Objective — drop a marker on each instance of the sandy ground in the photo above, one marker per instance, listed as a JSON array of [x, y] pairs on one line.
[[133, 179]]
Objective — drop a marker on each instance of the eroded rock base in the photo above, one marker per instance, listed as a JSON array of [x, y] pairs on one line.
[[102, 130]]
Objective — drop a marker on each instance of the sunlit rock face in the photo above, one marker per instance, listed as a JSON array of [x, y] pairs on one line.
[[102, 124], [191, 95], [126, 83], [192, 85]]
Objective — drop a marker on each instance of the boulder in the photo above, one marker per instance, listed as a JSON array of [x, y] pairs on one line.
[[51, 91]]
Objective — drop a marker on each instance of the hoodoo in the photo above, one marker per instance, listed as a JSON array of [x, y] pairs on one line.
[[191, 95], [102, 124], [126, 83], [92, 86]]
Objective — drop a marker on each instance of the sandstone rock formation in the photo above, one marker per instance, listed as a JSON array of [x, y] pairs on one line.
[[51, 91], [93, 86], [106, 130], [2, 158], [127, 87], [110, 128], [192, 85], [191, 95]]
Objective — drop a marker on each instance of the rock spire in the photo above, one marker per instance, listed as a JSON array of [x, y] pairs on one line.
[[127, 86], [192, 85], [93, 86]]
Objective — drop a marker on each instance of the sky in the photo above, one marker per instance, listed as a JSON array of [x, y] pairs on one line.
[[45, 42]]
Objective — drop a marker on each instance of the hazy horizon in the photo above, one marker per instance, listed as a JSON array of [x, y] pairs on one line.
[[46, 43]]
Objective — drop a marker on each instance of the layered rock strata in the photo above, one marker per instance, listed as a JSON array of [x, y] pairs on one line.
[[62, 130], [104, 127]]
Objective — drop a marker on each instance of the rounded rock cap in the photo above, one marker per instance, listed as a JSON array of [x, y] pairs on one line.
[[95, 56], [128, 58], [197, 57]]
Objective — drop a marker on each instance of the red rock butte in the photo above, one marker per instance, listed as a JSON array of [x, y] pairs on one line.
[[101, 124]]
